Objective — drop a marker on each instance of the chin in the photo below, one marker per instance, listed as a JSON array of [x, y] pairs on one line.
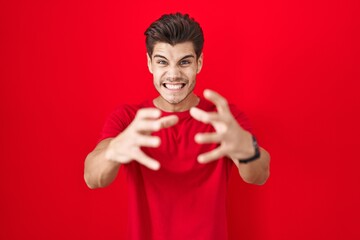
[[174, 100]]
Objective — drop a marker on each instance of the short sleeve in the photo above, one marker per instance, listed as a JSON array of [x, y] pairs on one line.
[[241, 118], [118, 121]]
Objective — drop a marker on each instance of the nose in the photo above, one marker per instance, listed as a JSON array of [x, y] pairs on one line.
[[173, 73]]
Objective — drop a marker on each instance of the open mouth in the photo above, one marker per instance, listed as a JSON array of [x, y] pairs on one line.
[[174, 86]]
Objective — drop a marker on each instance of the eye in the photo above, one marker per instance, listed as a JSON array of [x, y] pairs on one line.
[[185, 62], [161, 62]]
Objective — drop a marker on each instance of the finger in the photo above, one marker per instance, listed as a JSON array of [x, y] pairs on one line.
[[208, 138], [168, 121], [148, 141], [219, 101], [147, 161], [211, 156], [148, 113], [148, 126], [203, 116]]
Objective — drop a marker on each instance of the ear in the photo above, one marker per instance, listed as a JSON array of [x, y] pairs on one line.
[[149, 63], [200, 63]]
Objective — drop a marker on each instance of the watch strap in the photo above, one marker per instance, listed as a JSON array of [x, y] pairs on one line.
[[257, 152]]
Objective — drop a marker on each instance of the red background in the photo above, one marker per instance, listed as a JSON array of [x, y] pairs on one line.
[[292, 66]]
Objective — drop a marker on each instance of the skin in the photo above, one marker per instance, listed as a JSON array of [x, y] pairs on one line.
[[174, 70], [234, 141], [175, 65]]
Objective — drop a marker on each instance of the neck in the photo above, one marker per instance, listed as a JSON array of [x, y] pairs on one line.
[[190, 101]]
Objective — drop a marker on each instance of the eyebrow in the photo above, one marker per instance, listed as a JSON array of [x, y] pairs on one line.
[[186, 56]]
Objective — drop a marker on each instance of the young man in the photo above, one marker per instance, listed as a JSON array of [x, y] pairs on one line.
[[178, 149]]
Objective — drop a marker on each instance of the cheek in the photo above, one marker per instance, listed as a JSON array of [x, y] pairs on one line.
[[191, 74], [157, 74]]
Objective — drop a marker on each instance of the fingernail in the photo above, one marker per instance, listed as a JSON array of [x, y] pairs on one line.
[[206, 92], [157, 125], [193, 109], [156, 166], [158, 114], [157, 141]]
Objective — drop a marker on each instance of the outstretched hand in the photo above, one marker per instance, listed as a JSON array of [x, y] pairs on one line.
[[126, 147], [233, 140]]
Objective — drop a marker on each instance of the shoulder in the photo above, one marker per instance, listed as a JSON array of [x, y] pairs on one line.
[[206, 105], [119, 119], [241, 117], [126, 110], [210, 107], [238, 114], [235, 110]]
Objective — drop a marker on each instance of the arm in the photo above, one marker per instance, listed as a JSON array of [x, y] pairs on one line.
[[99, 171], [258, 171], [102, 164], [254, 172], [234, 142]]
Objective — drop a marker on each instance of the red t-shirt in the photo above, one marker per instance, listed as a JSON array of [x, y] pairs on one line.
[[183, 199]]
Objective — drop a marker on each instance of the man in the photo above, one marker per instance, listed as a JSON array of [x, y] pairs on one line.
[[178, 149]]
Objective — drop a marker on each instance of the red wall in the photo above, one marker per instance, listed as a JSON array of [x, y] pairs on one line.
[[292, 66]]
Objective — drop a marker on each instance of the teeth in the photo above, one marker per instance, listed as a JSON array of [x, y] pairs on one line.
[[173, 86]]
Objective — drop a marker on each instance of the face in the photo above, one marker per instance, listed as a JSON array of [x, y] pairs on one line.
[[174, 69]]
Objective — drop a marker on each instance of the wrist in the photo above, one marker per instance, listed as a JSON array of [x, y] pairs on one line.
[[256, 152]]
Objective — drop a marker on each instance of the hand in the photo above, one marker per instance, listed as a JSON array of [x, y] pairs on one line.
[[235, 142], [126, 147]]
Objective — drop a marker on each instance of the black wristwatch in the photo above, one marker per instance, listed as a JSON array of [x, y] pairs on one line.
[[256, 155]]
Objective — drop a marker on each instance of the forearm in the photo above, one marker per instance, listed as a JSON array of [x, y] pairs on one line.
[[99, 171], [257, 171]]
